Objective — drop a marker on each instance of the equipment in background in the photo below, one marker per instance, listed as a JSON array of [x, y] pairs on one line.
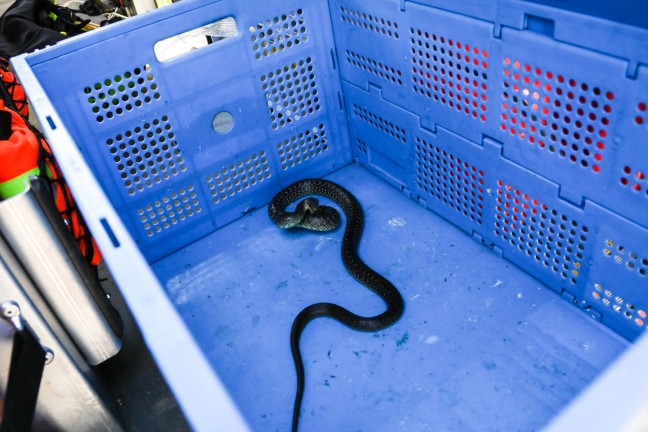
[[21, 149]]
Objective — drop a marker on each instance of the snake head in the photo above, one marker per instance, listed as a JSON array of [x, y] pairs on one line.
[[309, 214], [310, 205]]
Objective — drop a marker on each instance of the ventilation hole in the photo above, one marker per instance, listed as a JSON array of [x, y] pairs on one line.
[[380, 123], [238, 176], [574, 117], [362, 147], [278, 34], [169, 210], [449, 72], [541, 229], [124, 92], [635, 181], [630, 312], [641, 116], [451, 181], [291, 93], [138, 155], [367, 64], [302, 147], [633, 261], [370, 22]]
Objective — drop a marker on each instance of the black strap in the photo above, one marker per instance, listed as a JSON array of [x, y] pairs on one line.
[[5, 124], [25, 373]]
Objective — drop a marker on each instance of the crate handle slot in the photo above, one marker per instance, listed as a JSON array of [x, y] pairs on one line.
[[536, 24], [51, 123], [109, 231], [195, 39]]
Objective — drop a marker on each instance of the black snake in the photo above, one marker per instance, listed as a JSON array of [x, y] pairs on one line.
[[310, 215]]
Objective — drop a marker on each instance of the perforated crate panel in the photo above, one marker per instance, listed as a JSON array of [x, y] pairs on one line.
[[185, 146], [518, 139], [572, 124], [619, 273], [446, 72]]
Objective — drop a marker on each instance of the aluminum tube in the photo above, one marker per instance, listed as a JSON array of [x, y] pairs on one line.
[[70, 397], [36, 244]]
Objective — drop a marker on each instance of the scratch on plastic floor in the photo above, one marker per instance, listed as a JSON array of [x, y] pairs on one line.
[[432, 339], [397, 222], [322, 241]]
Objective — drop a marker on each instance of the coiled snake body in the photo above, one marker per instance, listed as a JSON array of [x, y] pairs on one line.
[[310, 215]]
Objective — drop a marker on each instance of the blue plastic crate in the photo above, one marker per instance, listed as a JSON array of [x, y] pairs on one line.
[[525, 136]]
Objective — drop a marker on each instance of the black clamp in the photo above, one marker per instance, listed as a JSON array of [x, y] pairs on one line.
[[28, 360]]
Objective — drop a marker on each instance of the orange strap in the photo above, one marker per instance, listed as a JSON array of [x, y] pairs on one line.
[[14, 88], [18, 155], [67, 207]]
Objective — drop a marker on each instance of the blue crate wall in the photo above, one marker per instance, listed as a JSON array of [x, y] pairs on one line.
[[145, 126], [528, 144]]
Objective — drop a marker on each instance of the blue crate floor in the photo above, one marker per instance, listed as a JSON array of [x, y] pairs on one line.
[[482, 345]]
